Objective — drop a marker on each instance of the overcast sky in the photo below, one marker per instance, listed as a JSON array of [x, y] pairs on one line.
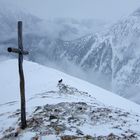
[[97, 9]]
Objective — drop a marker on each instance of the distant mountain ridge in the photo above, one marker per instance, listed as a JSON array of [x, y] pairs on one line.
[[111, 55], [114, 53]]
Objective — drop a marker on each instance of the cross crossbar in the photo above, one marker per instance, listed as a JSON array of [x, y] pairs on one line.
[[18, 51]]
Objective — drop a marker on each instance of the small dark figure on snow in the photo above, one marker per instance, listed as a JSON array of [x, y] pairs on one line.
[[60, 81]]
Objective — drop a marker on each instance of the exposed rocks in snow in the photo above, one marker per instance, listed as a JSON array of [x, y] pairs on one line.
[[77, 116]]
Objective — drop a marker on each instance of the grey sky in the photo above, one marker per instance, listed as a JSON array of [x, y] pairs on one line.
[[98, 9]]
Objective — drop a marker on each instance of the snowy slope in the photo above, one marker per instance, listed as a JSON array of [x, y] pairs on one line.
[[112, 54], [74, 108], [40, 78]]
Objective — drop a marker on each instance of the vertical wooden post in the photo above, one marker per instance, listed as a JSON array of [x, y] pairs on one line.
[[21, 75], [20, 53]]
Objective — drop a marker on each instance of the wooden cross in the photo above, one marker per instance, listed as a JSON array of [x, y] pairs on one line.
[[20, 53]]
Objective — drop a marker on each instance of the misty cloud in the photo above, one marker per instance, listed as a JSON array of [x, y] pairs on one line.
[[110, 10]]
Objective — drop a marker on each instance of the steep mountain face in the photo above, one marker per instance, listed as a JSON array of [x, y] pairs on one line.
[[126, 66], [114, 53], [110, 59]]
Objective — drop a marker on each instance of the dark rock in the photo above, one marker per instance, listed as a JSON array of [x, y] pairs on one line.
[[16, 134], [53, 117], [79, 132]]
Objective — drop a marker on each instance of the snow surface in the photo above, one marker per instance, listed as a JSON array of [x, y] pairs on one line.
[[110, 112], [40, 79]]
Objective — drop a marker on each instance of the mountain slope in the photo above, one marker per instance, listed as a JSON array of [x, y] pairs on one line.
[[70, 109], [109, 58], [112, 54]]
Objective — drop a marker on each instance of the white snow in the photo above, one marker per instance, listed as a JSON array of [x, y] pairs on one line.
[[41, 84], [40, 79]]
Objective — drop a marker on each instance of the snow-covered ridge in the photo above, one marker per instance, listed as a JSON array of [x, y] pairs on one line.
[[72, 108], [40, 78]]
